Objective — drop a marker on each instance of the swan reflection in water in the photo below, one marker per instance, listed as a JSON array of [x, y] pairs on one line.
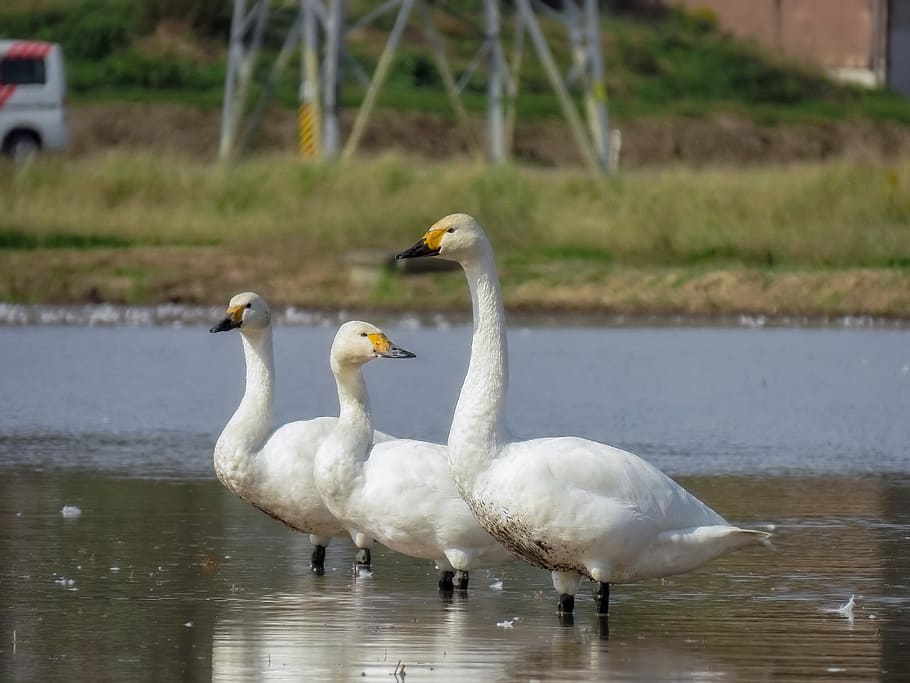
[[337, 627]]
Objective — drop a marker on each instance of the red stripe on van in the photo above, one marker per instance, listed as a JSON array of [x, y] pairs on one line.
[[28, 49], [6, 91]]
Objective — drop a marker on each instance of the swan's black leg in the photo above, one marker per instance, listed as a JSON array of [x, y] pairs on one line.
[[602, 599], [565, 609], [460, 580], [317, 562], [445, 581], [363, 560], [566, 604]]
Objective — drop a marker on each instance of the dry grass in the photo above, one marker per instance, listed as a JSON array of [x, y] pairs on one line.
[[146, 228], [837, 215]]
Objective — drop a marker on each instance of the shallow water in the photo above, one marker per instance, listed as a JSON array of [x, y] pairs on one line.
[[166, 576]]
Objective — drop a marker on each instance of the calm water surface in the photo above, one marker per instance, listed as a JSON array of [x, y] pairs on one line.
[[166, 576]]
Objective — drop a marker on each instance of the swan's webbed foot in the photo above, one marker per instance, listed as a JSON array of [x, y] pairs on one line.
[[317, 561], [566, 604], [602, 599], [446, 582], [363, 561], [460, 580]]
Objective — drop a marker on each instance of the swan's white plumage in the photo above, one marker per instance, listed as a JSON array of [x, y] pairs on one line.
[[615, 518], [272, 470], [398, 491], [571, 505], [278, 479]]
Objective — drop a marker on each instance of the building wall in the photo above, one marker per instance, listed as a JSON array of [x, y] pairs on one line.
[[836, 34], [899, 47]]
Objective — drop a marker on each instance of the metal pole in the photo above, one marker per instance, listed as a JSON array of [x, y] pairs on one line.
[[332, 83], [571, 18], [568, 108], [514, 81], [245, 73], [596, 96], [235, 56], [382, 68], [310, 110], [494, 82]]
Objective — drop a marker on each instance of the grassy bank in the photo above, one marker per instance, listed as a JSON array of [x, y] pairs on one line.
[[826, 239], [812, 216]]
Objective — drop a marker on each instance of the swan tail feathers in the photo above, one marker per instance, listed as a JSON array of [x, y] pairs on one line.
[[682, 550], [760, 536], [738, 537]]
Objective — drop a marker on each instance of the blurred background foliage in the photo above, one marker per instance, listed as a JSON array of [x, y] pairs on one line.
[[659, 61]]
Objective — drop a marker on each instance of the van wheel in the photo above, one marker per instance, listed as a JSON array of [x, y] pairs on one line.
[[22, 146]]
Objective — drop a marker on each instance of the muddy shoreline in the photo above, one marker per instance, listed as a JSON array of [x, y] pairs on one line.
[[724, 139], [208, 276]]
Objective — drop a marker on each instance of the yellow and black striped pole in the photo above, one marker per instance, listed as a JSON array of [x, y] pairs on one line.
[[309, 112], [307, 133]]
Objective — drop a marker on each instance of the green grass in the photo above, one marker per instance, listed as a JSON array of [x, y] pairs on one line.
[[16, 239], [138, 291], [804, 216]]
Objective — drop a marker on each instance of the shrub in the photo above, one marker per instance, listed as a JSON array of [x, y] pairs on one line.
[[206, 17], [87, 30]]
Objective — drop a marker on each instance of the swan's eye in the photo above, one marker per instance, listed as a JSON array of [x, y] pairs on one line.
[[363, 334], [249, 305], [451, 230]]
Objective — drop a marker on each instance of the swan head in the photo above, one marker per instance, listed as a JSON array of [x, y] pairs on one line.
[[358, 342], [456, 237], [246, 311]]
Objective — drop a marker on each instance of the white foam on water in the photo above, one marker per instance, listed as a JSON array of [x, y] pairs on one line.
[[71, 511]]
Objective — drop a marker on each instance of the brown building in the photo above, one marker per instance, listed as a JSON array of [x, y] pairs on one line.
[[863, 41]]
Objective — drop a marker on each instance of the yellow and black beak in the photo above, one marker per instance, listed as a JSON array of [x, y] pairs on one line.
[[384, 348], [233, 320], [428, 245]]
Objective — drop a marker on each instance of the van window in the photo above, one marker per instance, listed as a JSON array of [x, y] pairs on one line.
[[22, 71]]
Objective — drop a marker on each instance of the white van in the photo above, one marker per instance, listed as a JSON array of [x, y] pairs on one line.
[[32, 97]]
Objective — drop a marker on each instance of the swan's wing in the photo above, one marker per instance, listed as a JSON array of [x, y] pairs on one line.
[[379, 437], [298, 441], [292, 447], [410, 480], [288, 455], [573, 504], [285, 486], [602, 482]]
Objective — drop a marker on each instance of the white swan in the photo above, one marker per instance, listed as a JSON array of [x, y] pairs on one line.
[[273, 471], [398, 491], [570, 505]]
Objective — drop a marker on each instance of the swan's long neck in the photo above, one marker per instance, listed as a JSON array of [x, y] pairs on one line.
[[354, 417], [478, 427], [249, 427], [340, 459]]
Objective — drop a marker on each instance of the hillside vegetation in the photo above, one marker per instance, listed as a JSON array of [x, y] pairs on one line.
[[672, 63]]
